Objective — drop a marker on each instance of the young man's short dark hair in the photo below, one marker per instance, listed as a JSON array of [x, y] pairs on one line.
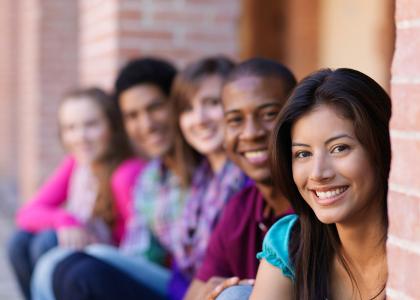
[[145, 70]]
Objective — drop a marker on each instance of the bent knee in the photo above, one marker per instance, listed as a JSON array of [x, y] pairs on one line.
[[236, 292], [18, 244]]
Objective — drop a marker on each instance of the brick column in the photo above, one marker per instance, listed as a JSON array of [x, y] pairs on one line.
[[47, 66], [8, 75], [114, 31], [404, 195], [98, 23]]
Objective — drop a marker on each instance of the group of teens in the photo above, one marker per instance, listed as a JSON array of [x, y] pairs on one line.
[[220, 181]]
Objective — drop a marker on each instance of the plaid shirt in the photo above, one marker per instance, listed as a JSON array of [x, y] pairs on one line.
[[159, 201], [209, 194]]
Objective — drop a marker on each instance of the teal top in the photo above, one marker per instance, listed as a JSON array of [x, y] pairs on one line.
[[276, 245]]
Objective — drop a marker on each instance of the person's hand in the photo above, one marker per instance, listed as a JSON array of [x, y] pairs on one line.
[[226, 283], [210, 285], [73, 237]]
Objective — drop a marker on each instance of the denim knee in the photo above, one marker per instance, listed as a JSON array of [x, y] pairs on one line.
[[236, 292], [18, 246], [42, 242], [41, 283]]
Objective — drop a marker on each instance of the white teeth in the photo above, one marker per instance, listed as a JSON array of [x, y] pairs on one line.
[[205, 131], [329, 194], [256, 154]]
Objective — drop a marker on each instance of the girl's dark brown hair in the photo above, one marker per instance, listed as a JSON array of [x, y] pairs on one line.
[[118, 149], [185, 86], [358, 98]]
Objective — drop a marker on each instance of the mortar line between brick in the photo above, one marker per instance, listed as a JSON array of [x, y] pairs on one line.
[[404, 244], [406, 135], [405, 80], [413, 192], [397, 294], [406, 24]]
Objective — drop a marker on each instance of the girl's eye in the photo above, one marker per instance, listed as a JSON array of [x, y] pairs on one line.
[[92, 123], [302, 154], [214, 101], [68, 127], [339, 148]]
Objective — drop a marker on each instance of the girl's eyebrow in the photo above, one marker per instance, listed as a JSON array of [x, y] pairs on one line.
[[299, 145], [338, 137], [209, 97], [326, 142]]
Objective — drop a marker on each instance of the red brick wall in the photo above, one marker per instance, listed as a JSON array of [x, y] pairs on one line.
[[404, 195], [98, 23], [181, 30]]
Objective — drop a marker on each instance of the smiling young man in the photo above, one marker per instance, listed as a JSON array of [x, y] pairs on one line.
[[252, 96]]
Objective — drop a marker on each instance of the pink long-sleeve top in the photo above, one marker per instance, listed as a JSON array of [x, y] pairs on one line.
[[46, 210]]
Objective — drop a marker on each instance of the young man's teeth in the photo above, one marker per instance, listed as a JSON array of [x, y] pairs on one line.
[[329, 194], [256, 154]]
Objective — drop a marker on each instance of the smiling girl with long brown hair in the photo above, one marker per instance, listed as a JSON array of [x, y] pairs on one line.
[[331, 157]]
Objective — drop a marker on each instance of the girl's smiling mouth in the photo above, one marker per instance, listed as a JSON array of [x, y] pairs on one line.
[[328, 196]]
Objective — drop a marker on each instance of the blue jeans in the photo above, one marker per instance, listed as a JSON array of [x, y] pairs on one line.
[[41, 283], [24, 250], [236, 292], [140, 269], [84, 277]]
